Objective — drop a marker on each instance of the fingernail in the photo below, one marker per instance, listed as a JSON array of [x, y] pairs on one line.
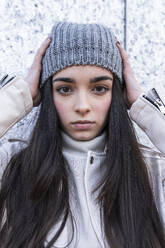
[[118, 43], [48, 38]]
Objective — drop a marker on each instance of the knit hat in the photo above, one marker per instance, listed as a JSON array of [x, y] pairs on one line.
[[81, 44]]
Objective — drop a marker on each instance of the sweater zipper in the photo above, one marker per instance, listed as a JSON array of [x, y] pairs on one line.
[[155, 99]]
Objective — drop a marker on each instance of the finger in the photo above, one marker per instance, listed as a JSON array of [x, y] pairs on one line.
[[43, 46], [123, 53], [41, 50]]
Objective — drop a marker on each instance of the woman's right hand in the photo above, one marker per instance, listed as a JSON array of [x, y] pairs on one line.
[[34, 72]]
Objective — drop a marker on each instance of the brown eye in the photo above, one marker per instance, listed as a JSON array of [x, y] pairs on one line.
[[101, 89], [63, 90]]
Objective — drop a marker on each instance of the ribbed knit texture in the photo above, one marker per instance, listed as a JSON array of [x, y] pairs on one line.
[[81, 44]]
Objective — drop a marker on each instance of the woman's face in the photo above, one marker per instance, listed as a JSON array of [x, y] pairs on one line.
[[82, 93]]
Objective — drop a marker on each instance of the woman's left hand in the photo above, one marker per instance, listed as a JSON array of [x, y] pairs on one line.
[[133, 89]]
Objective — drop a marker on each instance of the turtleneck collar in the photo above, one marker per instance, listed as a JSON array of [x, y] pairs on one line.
[[80, 148]]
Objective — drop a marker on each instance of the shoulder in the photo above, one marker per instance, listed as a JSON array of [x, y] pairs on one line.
[[9, 149], [155, 160], [149, 152]]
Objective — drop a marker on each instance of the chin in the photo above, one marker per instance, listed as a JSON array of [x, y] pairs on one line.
[[83, 137]]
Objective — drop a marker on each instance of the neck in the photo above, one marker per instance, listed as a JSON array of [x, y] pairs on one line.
[[80, 148]]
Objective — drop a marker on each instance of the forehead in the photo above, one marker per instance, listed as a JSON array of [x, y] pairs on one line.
[[85, 71]]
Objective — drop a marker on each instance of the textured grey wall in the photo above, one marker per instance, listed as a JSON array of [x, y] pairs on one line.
[[138, 24]]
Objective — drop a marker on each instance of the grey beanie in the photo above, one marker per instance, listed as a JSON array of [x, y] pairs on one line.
[[81, 44]]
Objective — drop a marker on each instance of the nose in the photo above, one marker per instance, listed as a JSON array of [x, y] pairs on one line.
[[82, 104]]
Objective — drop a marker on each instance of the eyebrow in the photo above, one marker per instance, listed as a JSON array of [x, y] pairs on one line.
[[92, 80]]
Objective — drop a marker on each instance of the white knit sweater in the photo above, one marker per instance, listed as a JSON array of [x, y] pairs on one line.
[[85, 161]]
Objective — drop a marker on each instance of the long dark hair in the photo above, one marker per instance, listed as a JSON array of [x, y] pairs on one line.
[[35, 190]]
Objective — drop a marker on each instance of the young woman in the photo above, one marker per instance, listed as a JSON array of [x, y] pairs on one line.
[[83, 180]]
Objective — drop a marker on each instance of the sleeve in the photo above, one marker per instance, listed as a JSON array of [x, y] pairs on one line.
[[148, 114], [15, 103]]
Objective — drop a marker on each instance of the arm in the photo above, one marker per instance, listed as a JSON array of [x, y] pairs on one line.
[[146, 111], [151, 120], [19, 95], [15, 103], [17, 98]]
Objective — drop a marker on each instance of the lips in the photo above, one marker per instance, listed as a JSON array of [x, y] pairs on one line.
[[82, 125], [82, 122]]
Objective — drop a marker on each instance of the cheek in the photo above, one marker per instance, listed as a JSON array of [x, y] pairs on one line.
[[103, 107], [62, 108]]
